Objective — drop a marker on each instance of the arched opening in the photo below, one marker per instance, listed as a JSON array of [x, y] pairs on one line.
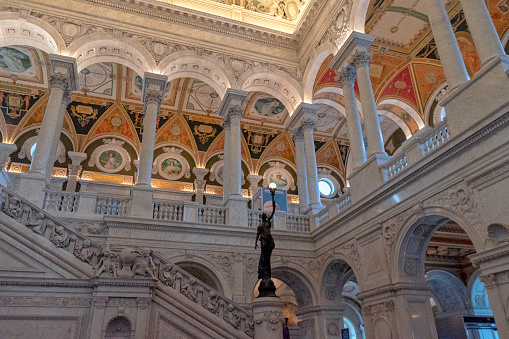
[[338, 295], [296, 294], [119, 328], [435, 253], [202, 273]]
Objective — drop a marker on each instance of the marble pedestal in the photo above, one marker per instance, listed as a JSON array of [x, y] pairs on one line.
[[237, 211], [366, 178], [483, 94], [142, 205], [268, 318], [31, 188]]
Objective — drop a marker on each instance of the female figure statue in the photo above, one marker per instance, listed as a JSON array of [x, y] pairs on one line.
[[267, 245]]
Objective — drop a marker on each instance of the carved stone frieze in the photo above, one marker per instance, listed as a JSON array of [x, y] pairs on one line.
[[224, 261], [273, 319], [350, 250], [380, 309], [45, 302]]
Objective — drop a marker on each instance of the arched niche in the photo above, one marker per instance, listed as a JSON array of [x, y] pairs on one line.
[[449, 293], [203, 273], [32, 32]]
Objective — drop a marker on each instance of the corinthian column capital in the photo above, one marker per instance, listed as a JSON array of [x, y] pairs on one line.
[[59, 80], [153, 97], [346, 76], [361, 59]]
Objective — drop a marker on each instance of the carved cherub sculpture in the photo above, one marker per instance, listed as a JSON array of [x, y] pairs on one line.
[[212, 303], [106, 263], [145, 265]]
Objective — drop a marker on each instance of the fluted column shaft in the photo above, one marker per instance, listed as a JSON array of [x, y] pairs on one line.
[[51, 125], [448, 49], [483, 30], [346, 78], [66, 100], [372, 124], [153, 100], [311, 169], [235, 162], [226, 159], [302, 182]]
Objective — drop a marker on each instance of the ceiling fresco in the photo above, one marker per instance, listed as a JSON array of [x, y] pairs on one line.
[[21, 64]]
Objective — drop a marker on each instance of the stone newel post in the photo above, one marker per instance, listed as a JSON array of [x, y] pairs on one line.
[[268, 318], [142, 194]]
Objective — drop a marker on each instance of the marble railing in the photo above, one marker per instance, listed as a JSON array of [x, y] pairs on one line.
[[173, 277], [254, 218], [212, 215], [417, 147], [112, 205], [297, 223], [336, 207], [61, 201], [49, 227], [168, 210]]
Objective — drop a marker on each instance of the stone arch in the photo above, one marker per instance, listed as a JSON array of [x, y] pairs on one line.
[[449, 293], [332, 104], [98, 47], [359, 12], [118, 327], [434, 113], [337, 90], [209, 267], [418, 228], [397, 120], [412, 112], [187, 64], [276, 83], [313, 66], [31, 32], [203, 273], [333, 278], [84, 147]]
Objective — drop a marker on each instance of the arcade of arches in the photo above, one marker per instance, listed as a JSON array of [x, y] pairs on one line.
[[138, 139]]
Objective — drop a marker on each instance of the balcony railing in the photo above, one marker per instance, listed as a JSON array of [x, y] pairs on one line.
[[212, 215], [112, 205], [165, 210], [61, 201]]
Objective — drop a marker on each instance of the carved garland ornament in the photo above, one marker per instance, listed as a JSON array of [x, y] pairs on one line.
[[25, 151], [278, 172]]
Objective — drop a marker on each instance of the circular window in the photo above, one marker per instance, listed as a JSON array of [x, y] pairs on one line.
[[326, 187]]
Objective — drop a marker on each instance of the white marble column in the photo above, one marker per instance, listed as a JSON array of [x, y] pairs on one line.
[[142, 194], [447, 45], [153, 100], [484, 34], [226, 159], [361, 62], [231, 110], [308, 126], [63, 78], [66, 100], [74, 169], [346, 79], [5, 152], [50, 130], [302, 182], [200, 182], [235, 161]]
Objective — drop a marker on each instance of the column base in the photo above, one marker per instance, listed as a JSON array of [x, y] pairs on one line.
[[268, 318], [142, 204], [366, 178], [312, 209], [31, 188], [483, 94], [237, 210]]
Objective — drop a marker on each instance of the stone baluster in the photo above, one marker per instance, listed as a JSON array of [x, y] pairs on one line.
[[300, 159], [361, 62], [63, 78], [74, 169], [153, 92], [200, 182], [447, 45]]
